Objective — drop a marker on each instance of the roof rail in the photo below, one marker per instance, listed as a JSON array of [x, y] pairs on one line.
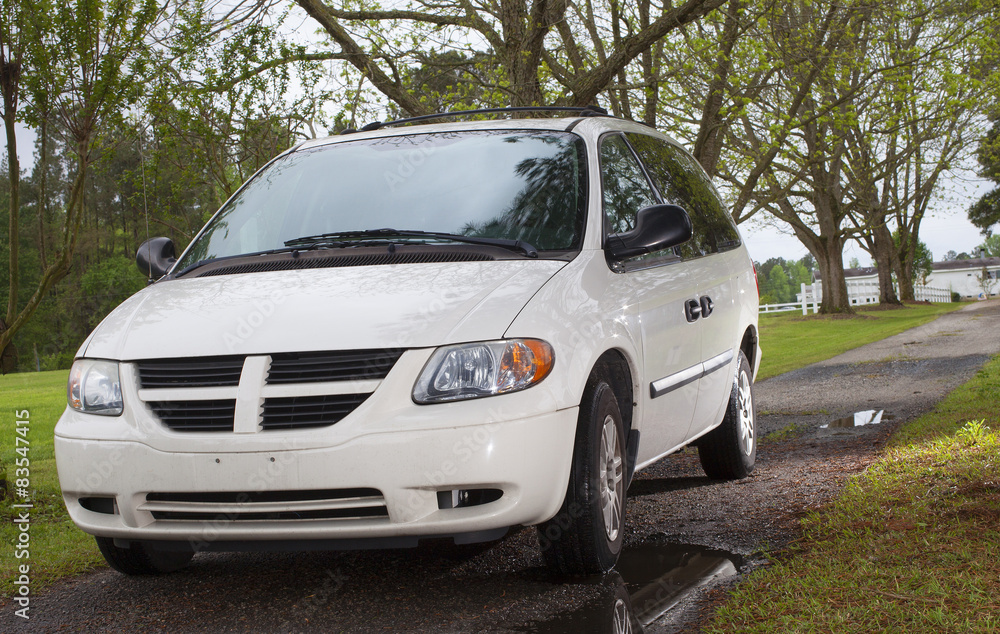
[[585, 111]]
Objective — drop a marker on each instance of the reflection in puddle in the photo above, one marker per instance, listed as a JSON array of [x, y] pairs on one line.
[[649, 580], [860, 419]]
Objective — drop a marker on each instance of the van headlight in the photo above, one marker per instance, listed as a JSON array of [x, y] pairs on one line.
[[474, 370], [94, 387]]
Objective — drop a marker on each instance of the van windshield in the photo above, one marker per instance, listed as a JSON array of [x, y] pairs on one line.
[[514, 185]]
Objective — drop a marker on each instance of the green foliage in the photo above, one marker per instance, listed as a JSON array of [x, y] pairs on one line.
[[143, 179], [108, 283], [85, 63], [220, 110], [988, 151], [985, 212], [780, 279], [991, 246], [777, 283]]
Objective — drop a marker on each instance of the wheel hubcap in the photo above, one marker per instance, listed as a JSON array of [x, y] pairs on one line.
[[746, 414], [611, 481], [622, 625]]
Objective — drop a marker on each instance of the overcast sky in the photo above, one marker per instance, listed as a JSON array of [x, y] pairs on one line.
[[946, 227]]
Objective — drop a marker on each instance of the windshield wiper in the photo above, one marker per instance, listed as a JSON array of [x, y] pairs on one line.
[[286, 249], [325, 238]]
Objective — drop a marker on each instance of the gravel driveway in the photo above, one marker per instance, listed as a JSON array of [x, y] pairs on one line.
[[685, 531]]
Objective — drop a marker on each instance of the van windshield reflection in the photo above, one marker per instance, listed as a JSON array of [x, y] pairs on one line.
[[525, 187]]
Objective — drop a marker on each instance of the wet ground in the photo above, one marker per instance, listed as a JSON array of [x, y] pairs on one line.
[[689, 539]]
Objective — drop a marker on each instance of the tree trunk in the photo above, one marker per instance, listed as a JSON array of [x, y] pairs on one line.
[[904, 264], [648, 61], [831, 266], [708, 145], [9, 77], [882, 250]]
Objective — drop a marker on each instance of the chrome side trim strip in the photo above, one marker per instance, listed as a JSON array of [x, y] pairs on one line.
[[719, 361], [670, 383], [674, 381]]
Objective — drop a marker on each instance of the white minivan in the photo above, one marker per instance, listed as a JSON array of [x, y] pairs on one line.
[[420, 331]]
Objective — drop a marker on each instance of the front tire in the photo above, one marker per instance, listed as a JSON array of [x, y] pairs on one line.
[[730, 450], [142, 558], [585, 537]]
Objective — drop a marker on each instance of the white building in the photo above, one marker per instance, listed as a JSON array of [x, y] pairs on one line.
[[960, 276], [965, 277]]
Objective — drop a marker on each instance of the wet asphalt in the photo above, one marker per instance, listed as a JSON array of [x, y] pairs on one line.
[[689, 539]]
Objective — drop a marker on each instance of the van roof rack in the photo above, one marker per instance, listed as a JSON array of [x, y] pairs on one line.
[[584, 111]]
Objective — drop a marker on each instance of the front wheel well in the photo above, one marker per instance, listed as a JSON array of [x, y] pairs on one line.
[[749, 346], [613, 366]]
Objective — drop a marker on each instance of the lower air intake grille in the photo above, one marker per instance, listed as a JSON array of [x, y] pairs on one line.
[[215, 415], [267, 505], [308, 411]]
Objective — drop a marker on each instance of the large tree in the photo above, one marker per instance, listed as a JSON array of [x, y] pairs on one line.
[[518, 37], [919, 115], [76, 66], [791, 142]]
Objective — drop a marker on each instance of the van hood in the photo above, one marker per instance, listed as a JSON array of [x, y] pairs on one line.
[[352, 308]]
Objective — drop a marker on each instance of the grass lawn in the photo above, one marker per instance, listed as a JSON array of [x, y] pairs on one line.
[[911, 545], [790, 340], [59, 549]]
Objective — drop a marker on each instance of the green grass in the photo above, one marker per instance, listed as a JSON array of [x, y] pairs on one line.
[[911, 545], [790, 340], [57, 547]]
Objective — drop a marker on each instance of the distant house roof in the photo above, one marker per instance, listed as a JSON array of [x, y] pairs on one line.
[[971, 263], [865, 271], [948, 265]]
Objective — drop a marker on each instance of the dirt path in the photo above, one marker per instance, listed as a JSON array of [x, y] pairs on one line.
[[502, 586]]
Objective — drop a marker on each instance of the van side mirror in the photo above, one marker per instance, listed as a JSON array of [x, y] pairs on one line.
[[657, 227], [155, 257]]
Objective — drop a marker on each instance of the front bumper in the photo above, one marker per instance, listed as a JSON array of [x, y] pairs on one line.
[[403, 475]]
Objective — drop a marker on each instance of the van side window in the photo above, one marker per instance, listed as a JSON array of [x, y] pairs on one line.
[[682, 182], [626, 189]]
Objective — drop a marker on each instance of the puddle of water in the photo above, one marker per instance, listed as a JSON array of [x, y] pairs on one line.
[[648, 581], [859, 419]]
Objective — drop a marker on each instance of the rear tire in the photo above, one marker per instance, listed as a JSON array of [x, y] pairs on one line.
[[585, 537], [142, 558], [730, 450]]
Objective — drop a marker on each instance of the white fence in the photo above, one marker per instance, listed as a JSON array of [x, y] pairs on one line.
[[860, 293]]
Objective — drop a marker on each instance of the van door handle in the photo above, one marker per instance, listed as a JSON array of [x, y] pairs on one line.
[[692, 309], [707, 306]]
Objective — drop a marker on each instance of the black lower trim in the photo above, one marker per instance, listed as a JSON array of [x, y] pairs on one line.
[[368, 543]]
